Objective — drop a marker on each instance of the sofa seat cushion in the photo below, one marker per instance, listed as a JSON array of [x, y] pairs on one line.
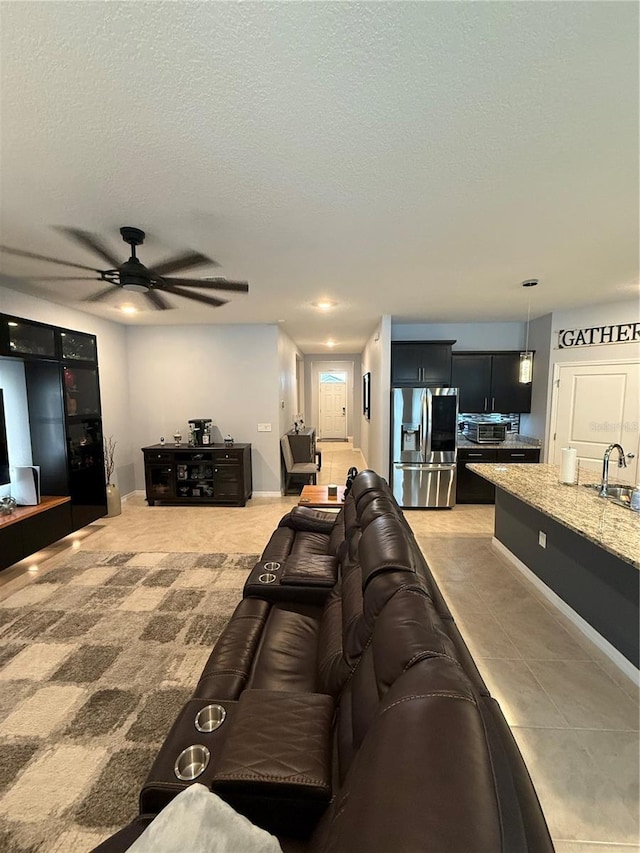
[[308, 542], [287, 654]]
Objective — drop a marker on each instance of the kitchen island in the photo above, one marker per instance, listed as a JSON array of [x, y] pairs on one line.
[[583, 549]]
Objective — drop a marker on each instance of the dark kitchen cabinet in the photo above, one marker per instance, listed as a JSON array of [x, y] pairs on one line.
[[488, 382], [213, 474], [473, 489], [470, 488], [421, 363]]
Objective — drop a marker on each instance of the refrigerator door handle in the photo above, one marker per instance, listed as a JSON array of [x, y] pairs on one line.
[[426, 425], [428, 469]]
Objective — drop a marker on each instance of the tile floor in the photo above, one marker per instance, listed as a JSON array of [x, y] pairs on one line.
[[573, 713]]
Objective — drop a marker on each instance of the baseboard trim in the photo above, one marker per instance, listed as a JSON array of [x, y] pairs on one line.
[[588, 630], [266, 495]]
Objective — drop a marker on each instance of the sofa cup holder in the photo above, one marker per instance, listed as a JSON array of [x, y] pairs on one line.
[[271, 566], [210, 718], [192, 762], [267, 577]]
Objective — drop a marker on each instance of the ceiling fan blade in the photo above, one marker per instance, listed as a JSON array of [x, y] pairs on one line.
[[93, 243], [64, 278], [157, 301], [215, 284], [100, 295], [183, 262], [197, 297], [35, 257]]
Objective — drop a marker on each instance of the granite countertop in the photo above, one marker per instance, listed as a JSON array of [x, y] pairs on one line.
[[614, 528], [512, 440]]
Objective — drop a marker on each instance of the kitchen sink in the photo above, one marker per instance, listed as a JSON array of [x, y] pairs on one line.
[[620, 495]]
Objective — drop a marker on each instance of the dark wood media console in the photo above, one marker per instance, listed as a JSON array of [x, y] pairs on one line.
[[211, 474], [29, 528]]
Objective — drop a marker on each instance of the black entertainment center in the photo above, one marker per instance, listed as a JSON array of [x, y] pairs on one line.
[[65, 422]]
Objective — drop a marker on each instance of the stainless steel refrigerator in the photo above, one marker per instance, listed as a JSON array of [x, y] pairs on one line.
[[424, 431]]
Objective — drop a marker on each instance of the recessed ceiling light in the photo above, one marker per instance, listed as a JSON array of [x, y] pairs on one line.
[[324, 305], [128, 309], [331, 344]]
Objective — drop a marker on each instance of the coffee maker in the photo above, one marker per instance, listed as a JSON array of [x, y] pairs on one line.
[[200, 434]]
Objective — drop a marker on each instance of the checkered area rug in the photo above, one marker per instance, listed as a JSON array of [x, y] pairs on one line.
[[96, 659]]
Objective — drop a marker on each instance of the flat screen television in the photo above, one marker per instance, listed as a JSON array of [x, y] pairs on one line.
[[4, 447]]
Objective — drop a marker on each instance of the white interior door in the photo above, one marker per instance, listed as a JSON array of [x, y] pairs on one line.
[[333, 405], [597, 405]]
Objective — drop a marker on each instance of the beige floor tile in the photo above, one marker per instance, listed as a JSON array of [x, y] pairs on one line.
[[587, 697], [43, 712], [522, 699], [579, 801], [536, 633], [484, 636], [39, 793], [36, 662]]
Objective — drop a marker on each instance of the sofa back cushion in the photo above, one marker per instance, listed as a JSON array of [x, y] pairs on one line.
[[406, 630], [422, 778]]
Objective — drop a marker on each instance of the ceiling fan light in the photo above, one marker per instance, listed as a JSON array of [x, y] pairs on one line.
[[128, 309], [136, 288]]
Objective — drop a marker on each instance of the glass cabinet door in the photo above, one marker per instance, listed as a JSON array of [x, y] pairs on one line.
[[31, 339], [81, 391], [78, 347]]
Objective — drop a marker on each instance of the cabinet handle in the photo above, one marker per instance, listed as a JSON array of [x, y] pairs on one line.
[[493, 404], [513, 455], [474, 454], [485, 404]]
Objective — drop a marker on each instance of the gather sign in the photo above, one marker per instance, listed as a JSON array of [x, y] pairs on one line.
[[623, 333]]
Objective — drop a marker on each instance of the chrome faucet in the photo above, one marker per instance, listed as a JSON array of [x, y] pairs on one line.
[[622, 463]]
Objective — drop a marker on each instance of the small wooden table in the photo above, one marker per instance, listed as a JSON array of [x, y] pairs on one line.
[[318, 497]]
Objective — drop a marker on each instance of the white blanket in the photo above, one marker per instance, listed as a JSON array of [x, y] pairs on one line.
[[198, 821]]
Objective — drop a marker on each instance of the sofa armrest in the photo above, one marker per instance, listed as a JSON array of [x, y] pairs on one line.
[[275, 763], [310, 520], [313, 570]]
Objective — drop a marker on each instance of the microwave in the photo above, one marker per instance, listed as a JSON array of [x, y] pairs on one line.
[[486, 432]]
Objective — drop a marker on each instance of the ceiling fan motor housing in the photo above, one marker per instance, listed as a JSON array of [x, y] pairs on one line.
[[134, 276]]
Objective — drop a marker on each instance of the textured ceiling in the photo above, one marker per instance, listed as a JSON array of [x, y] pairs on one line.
[[412, 159]]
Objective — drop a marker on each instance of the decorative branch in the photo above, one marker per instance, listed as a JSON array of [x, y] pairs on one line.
[[109, 458]]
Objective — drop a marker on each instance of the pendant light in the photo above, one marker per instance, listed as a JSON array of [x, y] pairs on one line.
[[525, 372]]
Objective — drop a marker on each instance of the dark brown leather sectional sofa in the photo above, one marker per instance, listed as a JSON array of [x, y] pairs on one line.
[[356, 720]]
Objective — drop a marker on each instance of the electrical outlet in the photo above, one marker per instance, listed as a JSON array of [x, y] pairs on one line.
[[542, 539], [264, 427]]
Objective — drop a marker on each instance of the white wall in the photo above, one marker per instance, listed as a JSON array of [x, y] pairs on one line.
[[467, 336], [288, 353], [582, 318], [112, 356], [543, 337], [376, 360], [227, 373], [534, 425]]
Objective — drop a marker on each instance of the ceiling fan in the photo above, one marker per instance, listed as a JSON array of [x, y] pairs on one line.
[[133, 275]]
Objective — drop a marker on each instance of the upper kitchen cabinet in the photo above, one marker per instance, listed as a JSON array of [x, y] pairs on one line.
[[421, 363], [488, 382]]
